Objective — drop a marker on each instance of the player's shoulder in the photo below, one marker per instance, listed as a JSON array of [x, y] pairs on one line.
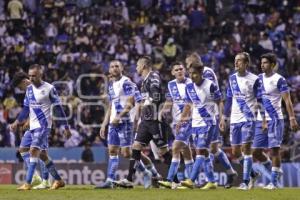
[[252, 76], [208, 81], [126, 80], [277, 76], [233, 75], [171, 82], [188, 81], [190, 85], [208, 70], [154, 75], [46, 84]]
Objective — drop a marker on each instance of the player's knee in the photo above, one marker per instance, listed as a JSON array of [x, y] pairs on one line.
[[126, 153], [136, 154], [136, 145], [43, 156], [112, 151], [213, 149], [176, 149], [23, 149], [257, 153], [236, 152], [163, 150], [275, 152]]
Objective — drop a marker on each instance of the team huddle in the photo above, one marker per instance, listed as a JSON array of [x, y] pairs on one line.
[[193, 109]]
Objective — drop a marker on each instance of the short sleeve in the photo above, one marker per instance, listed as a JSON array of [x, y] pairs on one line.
[[187, 96], [282, 85], [215, 92], [257, 89], [137, 95], [54, 98], [26, 100], [229, 91], [129, 88]]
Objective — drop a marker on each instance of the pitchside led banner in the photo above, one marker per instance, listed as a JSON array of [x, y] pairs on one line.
[[94, 174]]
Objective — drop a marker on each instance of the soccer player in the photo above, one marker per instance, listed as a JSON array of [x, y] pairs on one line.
[[21, 81], [274, 89], [242, 98], [149, 128], [260, 143], [120, 116], [39, 98], [201, 96], [175, 102], [215, 149]]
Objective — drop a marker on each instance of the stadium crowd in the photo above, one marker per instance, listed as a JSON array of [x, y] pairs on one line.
[[74, 37]]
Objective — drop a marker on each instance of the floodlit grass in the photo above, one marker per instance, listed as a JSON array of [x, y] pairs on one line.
[[9, 192]]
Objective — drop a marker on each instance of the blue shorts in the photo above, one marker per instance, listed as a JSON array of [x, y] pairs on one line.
[[184, 133], [26, 140], [241, 133], [40, 138], [275, 132], [121, 135], [203, 136], [260, 140], [216, 135]]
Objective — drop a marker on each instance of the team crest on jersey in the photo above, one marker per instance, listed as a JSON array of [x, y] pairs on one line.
[[43, 92]]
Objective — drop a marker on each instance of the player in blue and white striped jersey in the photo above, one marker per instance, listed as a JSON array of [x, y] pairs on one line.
[[201, 96], [39, 99], [215, 147], [243, 93], [21, 81], [274, 89], [175, 101]]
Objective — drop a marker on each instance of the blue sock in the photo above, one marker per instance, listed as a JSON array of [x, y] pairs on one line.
[[275, 175], [268, 165], [140, 166], [247, 167], [152, 169], [173, 169], [209, 171], [26, 156], [51, 169], [44, 171], [113, 165], [188, 168], [223, 159], [197, 167], [31, 168]]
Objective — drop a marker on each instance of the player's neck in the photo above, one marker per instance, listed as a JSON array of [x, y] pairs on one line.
[[180, 80], [199, 83], [243, 73], [116, 78], [269, 73], [38, 84], [145, 73]]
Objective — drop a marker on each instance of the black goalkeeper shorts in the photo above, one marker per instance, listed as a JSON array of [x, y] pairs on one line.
[[153, 130]]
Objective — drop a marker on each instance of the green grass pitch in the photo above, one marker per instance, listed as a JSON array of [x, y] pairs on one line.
[[9, 192]]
